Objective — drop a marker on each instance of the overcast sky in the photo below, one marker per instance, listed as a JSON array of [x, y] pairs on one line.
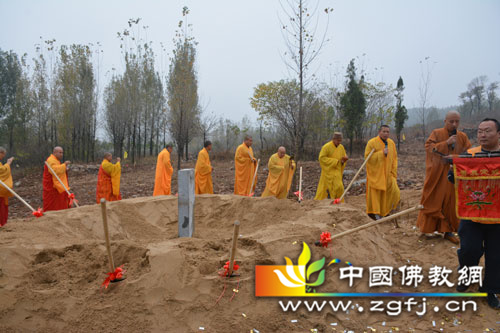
[[240, 42]]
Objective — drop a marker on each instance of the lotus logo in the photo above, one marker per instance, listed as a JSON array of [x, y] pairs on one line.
[[299, 275]]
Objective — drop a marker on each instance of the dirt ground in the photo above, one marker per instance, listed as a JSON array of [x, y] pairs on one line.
[[51, 268]]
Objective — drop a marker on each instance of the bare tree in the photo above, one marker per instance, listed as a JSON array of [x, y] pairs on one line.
[[299, 30], [207, 123], [491, 95], [424, 91]]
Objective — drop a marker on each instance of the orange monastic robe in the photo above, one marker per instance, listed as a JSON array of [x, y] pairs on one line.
[[6, 177], [244, 168], [438, 195], [382, 191], [54, 195], [280, 176], [108, 181], [203, 174], [164, 172]]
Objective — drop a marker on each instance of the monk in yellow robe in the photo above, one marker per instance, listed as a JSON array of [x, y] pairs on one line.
[[382, 191], [203, 171], [332, 159], [438, 194], [108, 179], [164, 170], [54, 194], [244, 168], [281, 170], [6, 178]]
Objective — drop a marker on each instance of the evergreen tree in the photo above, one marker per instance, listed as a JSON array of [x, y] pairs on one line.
[[401, 113], [353, 106]]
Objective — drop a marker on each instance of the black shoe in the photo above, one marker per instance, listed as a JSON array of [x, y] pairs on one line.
[[461, 288], [493, 301]]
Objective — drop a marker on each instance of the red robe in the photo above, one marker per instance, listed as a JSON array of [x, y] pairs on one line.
[[54, 195], [4, 211]]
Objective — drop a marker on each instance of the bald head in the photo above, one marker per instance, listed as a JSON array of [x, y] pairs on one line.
[[58, 152], [451, 121], [248, 140], [281, 151], [337, 138]]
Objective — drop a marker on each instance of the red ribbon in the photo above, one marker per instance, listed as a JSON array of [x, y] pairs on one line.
[[336, 201], [72, 199], [38, 213], [325, 238], [300, 194], [226, 268], [117, 274], [251, 194]]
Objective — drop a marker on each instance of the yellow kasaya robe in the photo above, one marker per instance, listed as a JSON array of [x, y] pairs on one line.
[[244, 168], [6, 177], [108, 181], [332, 169], [163, 177], [280, 176], [382, 191], [203, 174], [54, 195]]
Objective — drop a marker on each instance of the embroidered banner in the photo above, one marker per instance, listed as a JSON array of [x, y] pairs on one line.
[[477, 188]]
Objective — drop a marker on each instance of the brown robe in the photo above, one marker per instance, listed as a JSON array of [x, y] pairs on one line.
[[438, 195]]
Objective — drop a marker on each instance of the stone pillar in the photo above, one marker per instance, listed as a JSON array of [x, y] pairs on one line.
[[185, 183]]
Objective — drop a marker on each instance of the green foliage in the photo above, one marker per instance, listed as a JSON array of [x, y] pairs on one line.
[[353, 105], [182, 91], [401, 113]]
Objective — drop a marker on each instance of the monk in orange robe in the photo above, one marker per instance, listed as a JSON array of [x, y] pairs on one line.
[[203, 171], [244, 168], [382, 191], [108, 179], [54, 195], [6, 178], [281, 170], [164, 170], [438, 195]]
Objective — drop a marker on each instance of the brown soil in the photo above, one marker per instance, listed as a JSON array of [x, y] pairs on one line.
[[51, 268]]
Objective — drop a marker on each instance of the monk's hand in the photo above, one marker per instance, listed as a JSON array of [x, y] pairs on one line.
[[451, 140], [118, 159], [67, 162], [386, 151], [9, 161], [344, 159]]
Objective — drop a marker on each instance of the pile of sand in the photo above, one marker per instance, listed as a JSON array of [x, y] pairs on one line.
[[51, 268]]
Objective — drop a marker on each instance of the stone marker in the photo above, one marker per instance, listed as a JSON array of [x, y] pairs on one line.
[[186, 202]]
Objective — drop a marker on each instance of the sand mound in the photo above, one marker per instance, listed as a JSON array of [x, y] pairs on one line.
[[52, 267]]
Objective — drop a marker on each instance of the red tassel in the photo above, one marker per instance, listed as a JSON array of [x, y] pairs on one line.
[[325, 238], [300, 195], [72, 199], [226, 268], [117, 274], [38, 213]]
